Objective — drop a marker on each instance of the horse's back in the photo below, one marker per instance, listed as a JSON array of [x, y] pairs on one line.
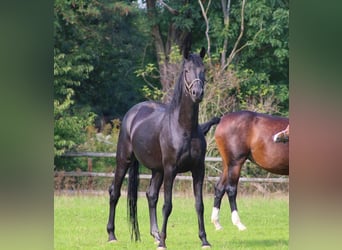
[[249, 134], [140, 132], [235, 126]]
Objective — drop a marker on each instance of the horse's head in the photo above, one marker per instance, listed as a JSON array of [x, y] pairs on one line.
[[194, 77]]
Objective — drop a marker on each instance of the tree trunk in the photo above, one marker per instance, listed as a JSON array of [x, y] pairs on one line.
[[225, 9], [168, 71]]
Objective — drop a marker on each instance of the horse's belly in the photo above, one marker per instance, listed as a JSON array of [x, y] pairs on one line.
[[272, 160], [149, 159], [275, 166], [147, 151]]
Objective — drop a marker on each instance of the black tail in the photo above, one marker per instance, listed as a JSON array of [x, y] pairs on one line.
[[205, 127], [132, 197]]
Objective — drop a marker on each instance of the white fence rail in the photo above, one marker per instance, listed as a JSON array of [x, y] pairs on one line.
[[146, 176]]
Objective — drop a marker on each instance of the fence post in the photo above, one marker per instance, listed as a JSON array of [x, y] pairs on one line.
[[90, 169]]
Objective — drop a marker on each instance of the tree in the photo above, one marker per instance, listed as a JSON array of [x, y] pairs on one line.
[[247, 44], [69, 127], [170, 27], [116, 40]]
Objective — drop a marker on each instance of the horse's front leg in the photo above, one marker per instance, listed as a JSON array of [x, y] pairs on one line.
[[169, 177], [152, 197], [198, 177]]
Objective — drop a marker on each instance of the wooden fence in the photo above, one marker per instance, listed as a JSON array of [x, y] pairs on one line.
[[89, 173]]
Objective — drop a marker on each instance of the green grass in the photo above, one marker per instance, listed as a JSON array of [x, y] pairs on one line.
[[80, 223]]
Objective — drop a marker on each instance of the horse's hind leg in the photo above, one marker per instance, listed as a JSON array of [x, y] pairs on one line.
[[115, 188], [114, 195], [220, 190], [231, 189], [219, 193], [152, 196]]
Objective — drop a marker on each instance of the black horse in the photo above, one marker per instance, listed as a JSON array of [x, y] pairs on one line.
[[167, 139]]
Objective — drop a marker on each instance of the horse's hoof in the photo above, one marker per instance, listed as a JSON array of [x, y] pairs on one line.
[[161, 248], [206, 246], [156, 238], [241, 227], [217, 225], [156, 242], [112, 241]]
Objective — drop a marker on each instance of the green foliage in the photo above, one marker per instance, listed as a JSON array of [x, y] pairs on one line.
[[69, 128], [97, 44], [256, 93], [150, 74], [152, 93], [104, 141], [108, 39], [257, 78], [267, 31]]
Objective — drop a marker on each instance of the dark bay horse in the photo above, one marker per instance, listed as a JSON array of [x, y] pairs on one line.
[[167, 139], [246, 135], [282, 136]]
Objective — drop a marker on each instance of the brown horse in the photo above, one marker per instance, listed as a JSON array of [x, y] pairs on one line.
[[247, 135], [282, 136]]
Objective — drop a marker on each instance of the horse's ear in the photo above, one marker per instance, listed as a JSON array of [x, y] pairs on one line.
[[202, 53]]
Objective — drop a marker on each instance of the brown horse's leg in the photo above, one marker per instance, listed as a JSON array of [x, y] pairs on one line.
[[198, 177], [152, 197], [169, 177], [219, 192], [231, 189]]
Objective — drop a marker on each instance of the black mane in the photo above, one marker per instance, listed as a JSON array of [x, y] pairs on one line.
[[178, 89]]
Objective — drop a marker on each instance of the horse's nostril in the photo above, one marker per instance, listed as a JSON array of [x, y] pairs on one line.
[[193, 92]]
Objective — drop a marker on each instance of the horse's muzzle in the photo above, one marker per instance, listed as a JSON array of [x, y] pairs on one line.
[[197, 92]]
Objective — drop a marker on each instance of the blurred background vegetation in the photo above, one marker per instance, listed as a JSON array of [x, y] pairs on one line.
[[109, 55]]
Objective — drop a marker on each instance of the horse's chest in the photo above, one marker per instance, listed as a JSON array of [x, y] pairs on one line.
[[190, 151]]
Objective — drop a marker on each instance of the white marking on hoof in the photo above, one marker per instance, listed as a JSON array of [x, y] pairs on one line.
[[112, 241], [206, 247], [215, 218], [236, 221], [161, 248]]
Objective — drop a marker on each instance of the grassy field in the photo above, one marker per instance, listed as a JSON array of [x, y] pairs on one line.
[[80, 223]]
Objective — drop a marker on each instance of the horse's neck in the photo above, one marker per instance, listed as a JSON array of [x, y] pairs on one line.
[[182, 109], [188, 114]]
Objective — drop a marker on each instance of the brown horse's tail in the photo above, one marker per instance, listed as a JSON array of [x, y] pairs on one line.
[[132, 197]]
